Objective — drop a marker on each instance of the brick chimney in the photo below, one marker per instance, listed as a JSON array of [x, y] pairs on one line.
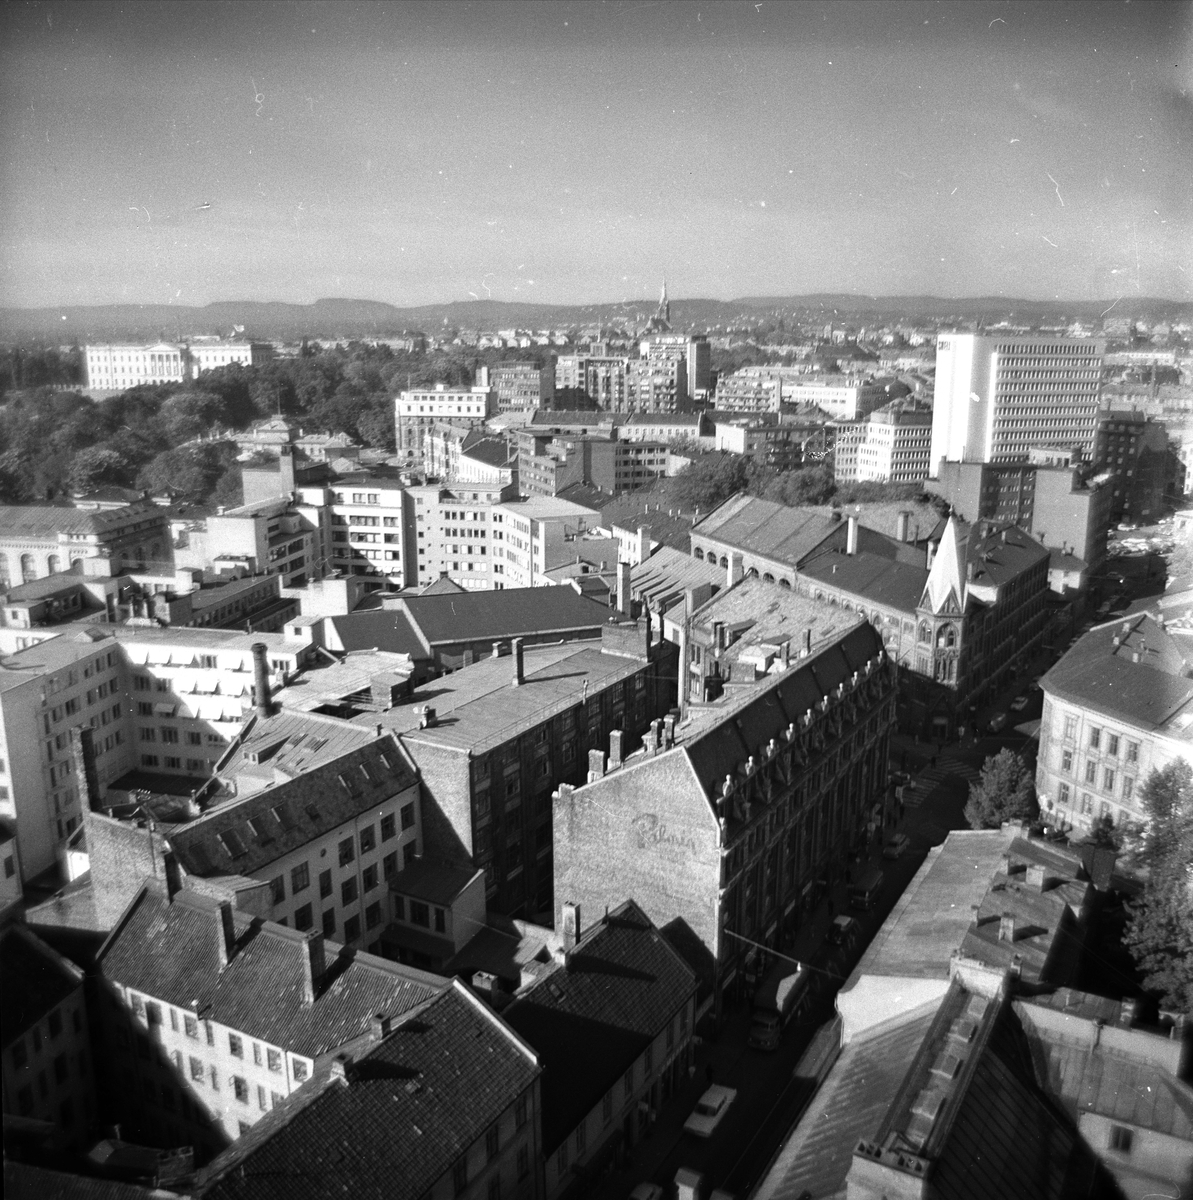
[[851, 535], [1006, 927], [313, 965], [623, 589], [380, 1025], [1036, 878], [668, 731], [616, 748], [736, 569], [902, 523], [570, 922], [519, 671], [496, 649], [596, 765], [261, 693], [225, 933], [643, 543]]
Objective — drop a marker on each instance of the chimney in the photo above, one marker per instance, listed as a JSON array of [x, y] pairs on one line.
[[902, 524], [736, 569], [596, 765], [668, 731], [379, 1025], [623, 588], [650, 739], [969, 570], [82, 748], [1006, 927], [225, 933], [931, 554], [313, 965], [571, 926], [496, 649], [516, 646], [616, 740], [173, 875], [261, 679], [851, 535], [1035, 878], [643, 543], [718, 636], [807, 642]]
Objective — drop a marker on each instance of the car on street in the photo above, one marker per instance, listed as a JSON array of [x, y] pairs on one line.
[[896, 845], [647, 1191], [1019, 703], [843, 931], [997, 722], [710, 1111]]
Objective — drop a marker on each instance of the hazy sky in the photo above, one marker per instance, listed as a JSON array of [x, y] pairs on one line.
[[566, 153]]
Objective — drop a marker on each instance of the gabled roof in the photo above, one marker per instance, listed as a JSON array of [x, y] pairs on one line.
[[494, 452], [48, 520], [669, 573], [591, 1018], [36, 980], [763, 527], [169, 949], [394, 1123], [386, 628], [879, 580], [513, 612]]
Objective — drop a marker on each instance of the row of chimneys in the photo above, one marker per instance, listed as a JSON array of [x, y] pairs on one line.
[[660, 736], [314, 962]]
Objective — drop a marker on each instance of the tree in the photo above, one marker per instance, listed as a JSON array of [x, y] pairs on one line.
[[1005, 792], [808, 485], [97, 465], [1159, 931], [711, 481]]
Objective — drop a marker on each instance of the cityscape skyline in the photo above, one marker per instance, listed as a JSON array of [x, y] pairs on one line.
[[422, 154]]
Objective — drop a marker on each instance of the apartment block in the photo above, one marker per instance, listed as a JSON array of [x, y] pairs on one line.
[[536, 534], [416, 412], [692, 349], [282, 537], [602, 378], [547, 464], [845, 397], [454, 531], [523, 385], [656, 384], [1134, 451], [891, 445], [996, 397]]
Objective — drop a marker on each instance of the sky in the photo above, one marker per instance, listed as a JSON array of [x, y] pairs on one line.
[[573, 153]]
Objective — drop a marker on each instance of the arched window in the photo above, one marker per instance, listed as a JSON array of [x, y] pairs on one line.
[[946, 637], [4, 578], [785, 583], [53, 564], [698, 553], [28, 569], [724, 561], [769, 577], [925, 632]]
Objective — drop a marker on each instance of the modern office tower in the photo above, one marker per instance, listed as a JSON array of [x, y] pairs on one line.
[[998, 397]]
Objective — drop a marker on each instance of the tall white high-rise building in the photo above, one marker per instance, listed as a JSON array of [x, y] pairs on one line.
[[998, 397]]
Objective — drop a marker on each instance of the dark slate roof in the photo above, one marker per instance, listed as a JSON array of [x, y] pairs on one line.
[[552, 417], [1003, 554], [495, 452], [291, 812], [435, 882], [443, 586], [169, 950], [667, 526], [586, 494], [383, 629], [669, 573], [879, 580], [514, 612], [36, 980], [763, 527], [590, 1019], [1096, 673], [23, 1181], [47, 520], [394, 1124]]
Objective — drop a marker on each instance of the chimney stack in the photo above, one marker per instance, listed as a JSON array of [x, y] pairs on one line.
[[225, 933], [496, 649], [931, 554], [623, 588], [616, 743], [173, 875], [643, 543], [1036, 878], [426, 717], [261, 693], [596, 765], [1006, 927], [571, 926], [736, 569], [313, 965], [902, 525], [82, 748], [380, 1025], [518, 679], [807, 641], [668, 731], [851, 535]]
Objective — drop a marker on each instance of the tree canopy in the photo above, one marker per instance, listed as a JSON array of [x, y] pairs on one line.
[[1159, 930], [1005, 792]]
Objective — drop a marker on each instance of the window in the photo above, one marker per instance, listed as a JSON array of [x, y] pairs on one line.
[[607, 1108], [329, 923], [523, 1161], [408, 854], [1112, 744], [389, 826], [373, 916], [1121, 1139], [351, 929], [493, 1191], [348, 892], [389, 865], [324, 884], [1091, 771], [368, 839], [347, 852], [191, 1026], [303, 918], [277, 888], [1062, 794], [521, 1112], [1066, 761], [629, 1082], [241, 1089], [1132, 752], [274, 1060], [262, 1102], [198, 1071], [1128, 787], [1095, 738], [581, 1139], [1087, 804], [420, 914], [369, 877], [300, 878], [300, 1070], [1070, 727], [492, 1143], [561, 1159], [408, 815], [235, 1046], [1108, 780]]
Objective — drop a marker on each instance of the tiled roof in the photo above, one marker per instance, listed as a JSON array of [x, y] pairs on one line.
[[561, 417], [591, 1018], [292, 742], [25, 1182], [513, 612], [297, 804], [1003, 554], [1100, 672], [169, 950], [443, 586], [61, 583], [48, 520], [897, 585], [36, 979], [495, 452], [395, 1124], [669, 573]]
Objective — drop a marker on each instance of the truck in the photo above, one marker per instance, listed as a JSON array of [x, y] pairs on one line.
[[782, 994]]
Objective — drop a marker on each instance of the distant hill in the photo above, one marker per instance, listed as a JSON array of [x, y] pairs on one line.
[[346, 318]]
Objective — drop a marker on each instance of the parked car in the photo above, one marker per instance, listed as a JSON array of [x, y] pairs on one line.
[[647, 1191], [1019, 703], [895, 846], [997, 722], [710, 1111], [843, 931]]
